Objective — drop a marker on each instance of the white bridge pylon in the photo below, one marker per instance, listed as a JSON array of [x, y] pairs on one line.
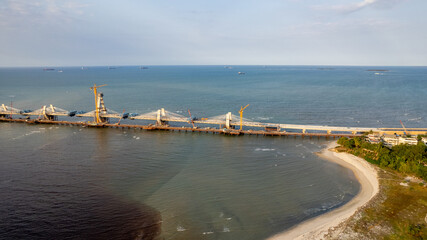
[[49, 113], [229, 120], [7, 110], [162, 116]]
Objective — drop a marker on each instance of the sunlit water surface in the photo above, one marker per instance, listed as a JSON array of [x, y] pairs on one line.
[[61, 182]]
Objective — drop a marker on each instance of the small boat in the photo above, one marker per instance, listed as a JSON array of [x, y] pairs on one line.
[[241, 73]]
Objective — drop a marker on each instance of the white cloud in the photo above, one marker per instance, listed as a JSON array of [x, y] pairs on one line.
[[18, 12], [343, 27], [353, 7]]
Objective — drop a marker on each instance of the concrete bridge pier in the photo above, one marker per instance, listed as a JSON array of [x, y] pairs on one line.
[[160, 113], [47, 116], [228, 120], [5, 109]]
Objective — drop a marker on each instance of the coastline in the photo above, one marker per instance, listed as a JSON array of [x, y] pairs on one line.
[[318, 227]]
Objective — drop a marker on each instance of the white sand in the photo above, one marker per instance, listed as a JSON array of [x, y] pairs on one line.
[[317, 227]]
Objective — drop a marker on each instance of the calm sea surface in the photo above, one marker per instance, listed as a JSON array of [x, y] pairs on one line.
[[60, 182]]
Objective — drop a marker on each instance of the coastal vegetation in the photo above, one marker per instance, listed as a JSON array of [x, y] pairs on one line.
[[399, 210], [404, 158]]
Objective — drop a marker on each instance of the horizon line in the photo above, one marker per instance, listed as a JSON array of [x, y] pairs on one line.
[[184, 65]]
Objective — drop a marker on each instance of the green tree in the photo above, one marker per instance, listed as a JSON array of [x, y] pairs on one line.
[[342, 140], [416, 231], [403, 158], [357, 142]]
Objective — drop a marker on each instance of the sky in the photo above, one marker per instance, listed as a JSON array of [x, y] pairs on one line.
[[220, 32]]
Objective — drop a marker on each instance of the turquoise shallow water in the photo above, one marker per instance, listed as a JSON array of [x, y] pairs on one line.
[[74, 183]]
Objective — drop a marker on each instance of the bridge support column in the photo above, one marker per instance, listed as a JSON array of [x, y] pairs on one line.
[[46, 116], [158, 118], [160, 113], [228, 120]]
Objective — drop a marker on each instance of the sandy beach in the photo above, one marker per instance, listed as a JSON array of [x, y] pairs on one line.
[[317, 227]]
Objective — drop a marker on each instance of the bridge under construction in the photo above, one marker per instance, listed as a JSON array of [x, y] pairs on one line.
[[162, 119]]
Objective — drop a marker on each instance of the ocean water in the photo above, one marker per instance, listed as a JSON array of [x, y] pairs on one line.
[[78, 183]]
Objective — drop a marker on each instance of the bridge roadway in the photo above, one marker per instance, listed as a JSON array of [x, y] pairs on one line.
[[162, 117], [181, 129], [285, 129], [301, 128]]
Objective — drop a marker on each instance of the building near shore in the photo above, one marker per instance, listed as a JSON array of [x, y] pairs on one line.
[[374, 138], [408, 140], [392, 140]]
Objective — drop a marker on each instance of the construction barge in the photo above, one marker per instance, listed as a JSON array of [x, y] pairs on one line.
[[229, 124]]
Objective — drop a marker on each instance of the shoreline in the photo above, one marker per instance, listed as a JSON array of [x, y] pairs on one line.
[[319, 226]]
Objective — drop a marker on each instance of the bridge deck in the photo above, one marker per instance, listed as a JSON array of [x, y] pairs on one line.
[[183, 129], [285, 129]]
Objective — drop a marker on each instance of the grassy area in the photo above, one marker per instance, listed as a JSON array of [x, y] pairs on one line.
[[399, 211]]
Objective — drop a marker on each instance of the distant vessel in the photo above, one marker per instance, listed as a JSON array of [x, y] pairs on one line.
[[60, 70], [111, 67], [48, 69], [143, 67], [241, 73], [228, 67]]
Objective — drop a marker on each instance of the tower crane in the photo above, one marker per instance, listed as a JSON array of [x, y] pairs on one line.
[[97, 105], [404, 128], [241, 115]]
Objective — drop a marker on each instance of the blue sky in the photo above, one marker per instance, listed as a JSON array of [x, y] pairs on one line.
[[250, 32]]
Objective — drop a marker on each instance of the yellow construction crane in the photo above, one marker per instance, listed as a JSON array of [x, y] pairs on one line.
[[97, 107], [241, 116]]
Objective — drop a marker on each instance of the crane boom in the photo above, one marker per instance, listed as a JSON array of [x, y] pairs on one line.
[[121, 117], [97, 108], [191, 118], [241, 116], [404, 128]]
